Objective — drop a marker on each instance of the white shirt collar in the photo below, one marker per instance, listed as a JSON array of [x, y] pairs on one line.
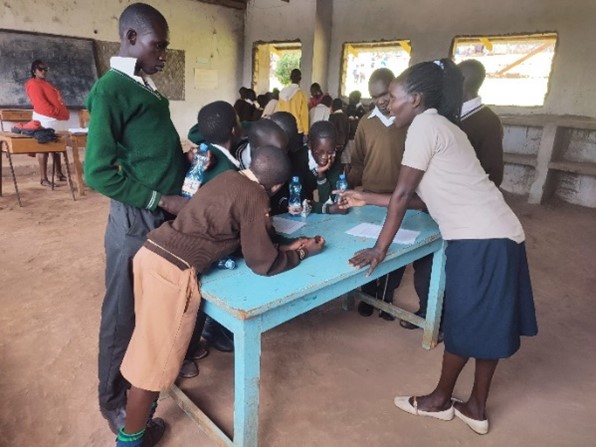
[[246, 156], [470, 107], [228, 155], [387, 121], [312, 164], [127, 66]]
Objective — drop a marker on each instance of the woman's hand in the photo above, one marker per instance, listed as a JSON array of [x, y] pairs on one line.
[[350, 198], [369, 256]]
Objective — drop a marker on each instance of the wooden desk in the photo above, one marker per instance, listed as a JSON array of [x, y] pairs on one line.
[[249, 304], [78, 140], [14, 143]]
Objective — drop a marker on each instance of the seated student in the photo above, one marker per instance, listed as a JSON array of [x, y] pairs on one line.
[[233, 209], [298, 153], [263, 132], [324, 168], [218, 126]]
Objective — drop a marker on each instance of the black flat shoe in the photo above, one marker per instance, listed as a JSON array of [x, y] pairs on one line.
[[365, 309]]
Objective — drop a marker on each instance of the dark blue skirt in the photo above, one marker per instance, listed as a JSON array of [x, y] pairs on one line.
[[488, 298]]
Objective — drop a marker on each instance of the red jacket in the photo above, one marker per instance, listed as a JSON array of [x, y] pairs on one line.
[[46, 99]]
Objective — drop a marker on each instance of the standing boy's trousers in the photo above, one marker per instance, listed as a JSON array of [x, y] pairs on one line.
[[126, 232]]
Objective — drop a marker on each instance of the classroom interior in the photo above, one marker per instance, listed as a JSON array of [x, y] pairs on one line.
[[329, 376]]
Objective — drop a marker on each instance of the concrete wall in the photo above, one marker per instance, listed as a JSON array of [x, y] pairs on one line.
[[431, 25], [276, 21], [210, 35]]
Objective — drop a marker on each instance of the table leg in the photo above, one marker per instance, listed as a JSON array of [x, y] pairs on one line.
[[14, 178], [77, 166], [68, 175], [435, 300], [247, 372]]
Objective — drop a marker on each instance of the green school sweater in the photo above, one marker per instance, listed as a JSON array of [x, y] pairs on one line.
[[133, 151]]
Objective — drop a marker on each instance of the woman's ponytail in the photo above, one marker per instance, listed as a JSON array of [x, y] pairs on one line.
[[452, 91]]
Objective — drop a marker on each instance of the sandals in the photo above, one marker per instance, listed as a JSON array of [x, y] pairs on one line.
[[46, 183], [61, 177]]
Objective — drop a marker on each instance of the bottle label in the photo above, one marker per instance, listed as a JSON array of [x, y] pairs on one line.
[[190, 186]]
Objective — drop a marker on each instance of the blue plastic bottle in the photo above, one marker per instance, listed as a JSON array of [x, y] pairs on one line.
[[295, 202], [341, 185], [226, 264], [194, 176]]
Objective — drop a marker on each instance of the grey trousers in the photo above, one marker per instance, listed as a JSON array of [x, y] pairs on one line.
[[126, 232]]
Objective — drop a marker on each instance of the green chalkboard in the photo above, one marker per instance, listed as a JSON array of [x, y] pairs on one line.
[[71, 60]]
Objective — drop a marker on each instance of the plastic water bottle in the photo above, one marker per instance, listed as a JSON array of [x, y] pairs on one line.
[[194, 176], [341, 185], [295, 203], [226, 264]]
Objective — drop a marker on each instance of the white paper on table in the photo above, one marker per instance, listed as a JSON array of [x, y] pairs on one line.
[[78, 130], [372, 231], [286, 226]]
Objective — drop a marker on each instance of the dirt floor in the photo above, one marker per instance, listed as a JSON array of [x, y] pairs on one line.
[[328, 377]]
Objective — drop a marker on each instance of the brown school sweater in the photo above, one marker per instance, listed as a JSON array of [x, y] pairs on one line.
[[485, 132], [229, 211], [377, 154]]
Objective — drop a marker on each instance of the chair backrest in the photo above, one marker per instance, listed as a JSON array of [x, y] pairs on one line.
[[14, 116], [84, 118]]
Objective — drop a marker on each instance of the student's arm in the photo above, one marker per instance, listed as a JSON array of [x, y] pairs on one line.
[[325, 185], [358, 154], [102, 172], [259, 251], [408, 181]]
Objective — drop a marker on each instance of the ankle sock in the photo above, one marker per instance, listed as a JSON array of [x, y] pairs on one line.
[[126, 440], [152, 412]]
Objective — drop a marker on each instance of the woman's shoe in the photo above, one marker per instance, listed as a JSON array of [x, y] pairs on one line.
[[480, 427], [403, 403]]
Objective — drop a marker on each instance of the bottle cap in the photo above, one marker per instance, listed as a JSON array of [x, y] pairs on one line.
[[342, 176], [295, 178]]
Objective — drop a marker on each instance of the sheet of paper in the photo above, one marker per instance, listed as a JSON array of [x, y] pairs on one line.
[[286, 226], [372, 231], [78, 130]]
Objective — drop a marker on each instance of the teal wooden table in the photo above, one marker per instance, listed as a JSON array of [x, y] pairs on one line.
[[248, 304]]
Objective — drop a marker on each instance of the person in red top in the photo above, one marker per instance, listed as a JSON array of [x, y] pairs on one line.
[[50, 111]]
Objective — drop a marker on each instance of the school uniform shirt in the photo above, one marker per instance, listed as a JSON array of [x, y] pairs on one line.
[[485, 131], [232, 210], [454, 187], [320, 112], [224, 161], [377, 153]]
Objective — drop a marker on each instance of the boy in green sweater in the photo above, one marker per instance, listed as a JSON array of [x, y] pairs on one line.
[[134, 157]]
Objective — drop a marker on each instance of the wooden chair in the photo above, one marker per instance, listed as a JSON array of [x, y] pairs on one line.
[[14, 116]]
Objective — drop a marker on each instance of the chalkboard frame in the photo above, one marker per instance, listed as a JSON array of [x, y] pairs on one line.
[[73, 79]]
